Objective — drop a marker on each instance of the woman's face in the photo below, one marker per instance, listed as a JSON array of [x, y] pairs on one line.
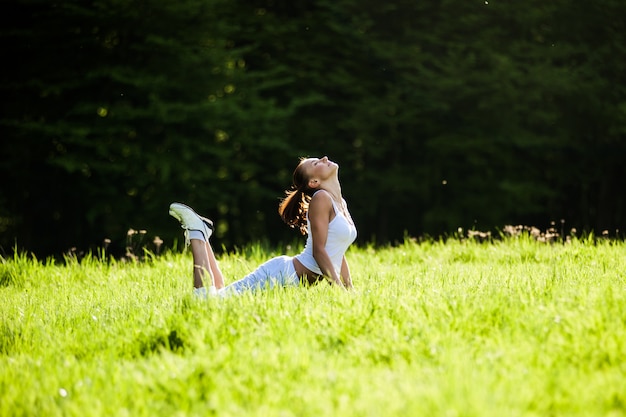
[[319, 168]]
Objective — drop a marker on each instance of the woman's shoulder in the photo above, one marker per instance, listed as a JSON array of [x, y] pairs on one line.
[[321, 195], [321, 198]]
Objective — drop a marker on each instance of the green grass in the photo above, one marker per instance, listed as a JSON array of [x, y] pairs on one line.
[[511, 328]]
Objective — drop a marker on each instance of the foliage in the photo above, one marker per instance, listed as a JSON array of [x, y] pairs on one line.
[[442, 115], [456, 327]]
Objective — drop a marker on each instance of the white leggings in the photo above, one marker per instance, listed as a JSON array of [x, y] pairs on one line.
[[278, 271]]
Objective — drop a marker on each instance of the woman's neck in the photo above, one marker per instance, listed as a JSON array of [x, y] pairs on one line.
[[334, 189]]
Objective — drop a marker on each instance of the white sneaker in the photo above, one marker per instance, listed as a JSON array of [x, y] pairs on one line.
[[190, 220]]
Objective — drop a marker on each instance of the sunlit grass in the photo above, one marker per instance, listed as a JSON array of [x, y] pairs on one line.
[[509, 328]]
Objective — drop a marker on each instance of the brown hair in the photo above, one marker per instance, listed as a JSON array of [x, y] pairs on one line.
[[294, 206]]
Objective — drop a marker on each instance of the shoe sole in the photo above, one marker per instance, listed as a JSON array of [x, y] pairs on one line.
[[173, 213]]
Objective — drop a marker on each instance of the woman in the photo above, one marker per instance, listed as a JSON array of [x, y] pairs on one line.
[[314, 205]]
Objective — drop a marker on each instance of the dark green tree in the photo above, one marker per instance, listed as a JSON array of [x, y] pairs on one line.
[[442, 114], [112, 114]]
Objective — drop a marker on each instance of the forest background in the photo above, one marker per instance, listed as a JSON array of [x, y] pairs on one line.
[[441, 114]]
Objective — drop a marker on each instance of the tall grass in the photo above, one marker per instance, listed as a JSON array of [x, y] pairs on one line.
[[455, 328]]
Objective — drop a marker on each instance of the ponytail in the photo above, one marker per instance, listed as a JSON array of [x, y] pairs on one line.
[[293, 208]]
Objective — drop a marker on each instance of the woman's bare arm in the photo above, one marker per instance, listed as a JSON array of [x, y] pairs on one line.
[[320, 212]]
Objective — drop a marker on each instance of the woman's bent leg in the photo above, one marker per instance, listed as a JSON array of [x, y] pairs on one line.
[[216, 272], [198, 230], [201, 264]]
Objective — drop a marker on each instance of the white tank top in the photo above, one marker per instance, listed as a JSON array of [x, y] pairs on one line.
[[341, 234]]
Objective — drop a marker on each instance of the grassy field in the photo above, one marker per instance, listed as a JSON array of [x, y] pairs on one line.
[[509, 328]]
